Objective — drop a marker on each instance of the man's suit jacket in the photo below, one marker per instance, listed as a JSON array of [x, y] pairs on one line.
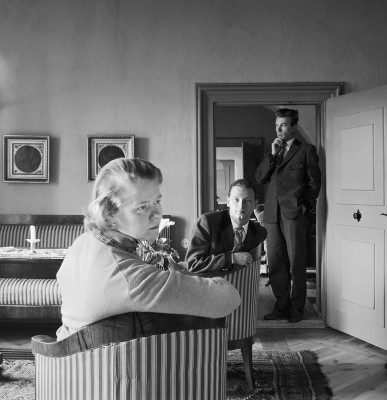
[[294, 185], [213, 240]]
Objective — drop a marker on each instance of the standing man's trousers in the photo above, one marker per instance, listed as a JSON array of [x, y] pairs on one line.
[[287, 260]]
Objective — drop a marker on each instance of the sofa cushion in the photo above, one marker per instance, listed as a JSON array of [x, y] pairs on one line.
[[31, 292], [51, 236]]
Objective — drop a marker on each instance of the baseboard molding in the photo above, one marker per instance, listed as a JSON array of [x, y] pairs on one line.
[[17, 354]]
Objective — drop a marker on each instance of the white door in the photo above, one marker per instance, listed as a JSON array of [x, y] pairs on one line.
[[224, 176], [356, 188]]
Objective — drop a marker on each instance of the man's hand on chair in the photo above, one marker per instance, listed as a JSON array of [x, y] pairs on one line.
[[242, 258]]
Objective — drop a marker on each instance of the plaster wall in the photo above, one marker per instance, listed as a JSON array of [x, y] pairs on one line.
[[74, 68]]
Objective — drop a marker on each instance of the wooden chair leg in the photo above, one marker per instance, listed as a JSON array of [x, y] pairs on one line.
[[247, 355]]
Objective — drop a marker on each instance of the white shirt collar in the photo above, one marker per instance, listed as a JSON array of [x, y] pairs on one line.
[[234, 225], [289, 143]]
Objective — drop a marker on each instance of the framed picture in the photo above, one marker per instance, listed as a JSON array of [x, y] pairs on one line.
[[102, 149], [26, 159]]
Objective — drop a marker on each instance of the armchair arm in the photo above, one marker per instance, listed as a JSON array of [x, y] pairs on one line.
[[256, 253], [119, 328]]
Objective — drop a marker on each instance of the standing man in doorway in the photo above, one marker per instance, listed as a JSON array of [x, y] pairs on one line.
[[293, 176]]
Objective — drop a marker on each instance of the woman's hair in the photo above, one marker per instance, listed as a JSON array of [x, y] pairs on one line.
[[109, 187]]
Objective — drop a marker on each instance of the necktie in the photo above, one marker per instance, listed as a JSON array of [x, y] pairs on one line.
[[280, 155], [238, 239]]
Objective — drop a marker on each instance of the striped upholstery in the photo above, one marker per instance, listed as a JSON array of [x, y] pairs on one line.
[[51, 236], [30, 292], [24, 293], [187, 365], [241, 323], [35, 292]]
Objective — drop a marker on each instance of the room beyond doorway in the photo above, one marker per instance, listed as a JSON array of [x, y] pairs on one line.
[[210, 96], [243, 135]]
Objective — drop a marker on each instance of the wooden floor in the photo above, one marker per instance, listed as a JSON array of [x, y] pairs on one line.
[[355, 369]]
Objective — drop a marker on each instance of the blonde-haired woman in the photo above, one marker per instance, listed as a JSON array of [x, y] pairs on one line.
[[103, 275]]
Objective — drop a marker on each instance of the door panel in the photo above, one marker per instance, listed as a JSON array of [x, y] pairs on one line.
[[359, 289], [360, 140], [356, 249]]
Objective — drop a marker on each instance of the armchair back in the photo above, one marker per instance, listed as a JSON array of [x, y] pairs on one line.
[[241, 323], [187, 364]]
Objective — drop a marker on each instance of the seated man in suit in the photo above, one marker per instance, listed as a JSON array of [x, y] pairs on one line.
[[223, 238]]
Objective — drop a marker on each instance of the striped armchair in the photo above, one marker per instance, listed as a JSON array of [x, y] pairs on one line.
[[242, 322], [98, 363]]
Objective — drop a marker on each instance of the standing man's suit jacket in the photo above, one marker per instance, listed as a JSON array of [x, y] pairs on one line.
[[213, 240], [294, 185]]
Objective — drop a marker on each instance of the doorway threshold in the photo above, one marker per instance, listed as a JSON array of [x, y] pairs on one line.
[[283, 324]]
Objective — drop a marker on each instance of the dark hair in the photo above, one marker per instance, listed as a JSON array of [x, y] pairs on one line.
[[288, 113], [243, 183], [109, 187]]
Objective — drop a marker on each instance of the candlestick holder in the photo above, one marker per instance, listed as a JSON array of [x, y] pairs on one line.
[[33, 242]]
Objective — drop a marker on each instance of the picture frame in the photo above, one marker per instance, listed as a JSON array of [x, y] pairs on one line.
[[103, 148], [26, 159]]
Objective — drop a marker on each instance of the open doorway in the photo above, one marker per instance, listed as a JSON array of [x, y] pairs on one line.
[[243, 135], [212, 98], [236, 158]]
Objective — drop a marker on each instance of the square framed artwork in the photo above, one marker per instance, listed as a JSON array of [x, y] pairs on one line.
[[103, 148], [26, 159]]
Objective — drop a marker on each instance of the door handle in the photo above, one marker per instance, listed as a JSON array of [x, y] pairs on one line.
[[357, 215], [384, 214]]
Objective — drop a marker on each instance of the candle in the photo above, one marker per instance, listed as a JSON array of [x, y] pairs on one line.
[[32, 233]]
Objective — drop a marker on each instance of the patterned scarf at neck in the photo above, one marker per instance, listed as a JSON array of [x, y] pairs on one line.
[[130, 243], [134, 246]]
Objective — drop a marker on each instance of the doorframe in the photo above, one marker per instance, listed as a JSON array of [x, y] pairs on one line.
[[285, 94]]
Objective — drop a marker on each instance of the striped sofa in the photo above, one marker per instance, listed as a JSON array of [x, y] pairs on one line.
[[95, 364], [241, 323], [34, 294]]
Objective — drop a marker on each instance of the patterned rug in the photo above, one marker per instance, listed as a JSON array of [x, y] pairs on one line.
[[17, 380], [278, 375]]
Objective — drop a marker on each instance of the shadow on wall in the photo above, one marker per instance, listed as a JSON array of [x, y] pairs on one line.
[[141, 148]]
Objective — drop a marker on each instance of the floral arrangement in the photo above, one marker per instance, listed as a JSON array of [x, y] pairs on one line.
[[160, 251]]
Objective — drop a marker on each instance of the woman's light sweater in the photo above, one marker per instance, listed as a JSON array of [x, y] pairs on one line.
[[98, 280]]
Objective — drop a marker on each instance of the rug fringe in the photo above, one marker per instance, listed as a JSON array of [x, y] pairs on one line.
[[316, 368]]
